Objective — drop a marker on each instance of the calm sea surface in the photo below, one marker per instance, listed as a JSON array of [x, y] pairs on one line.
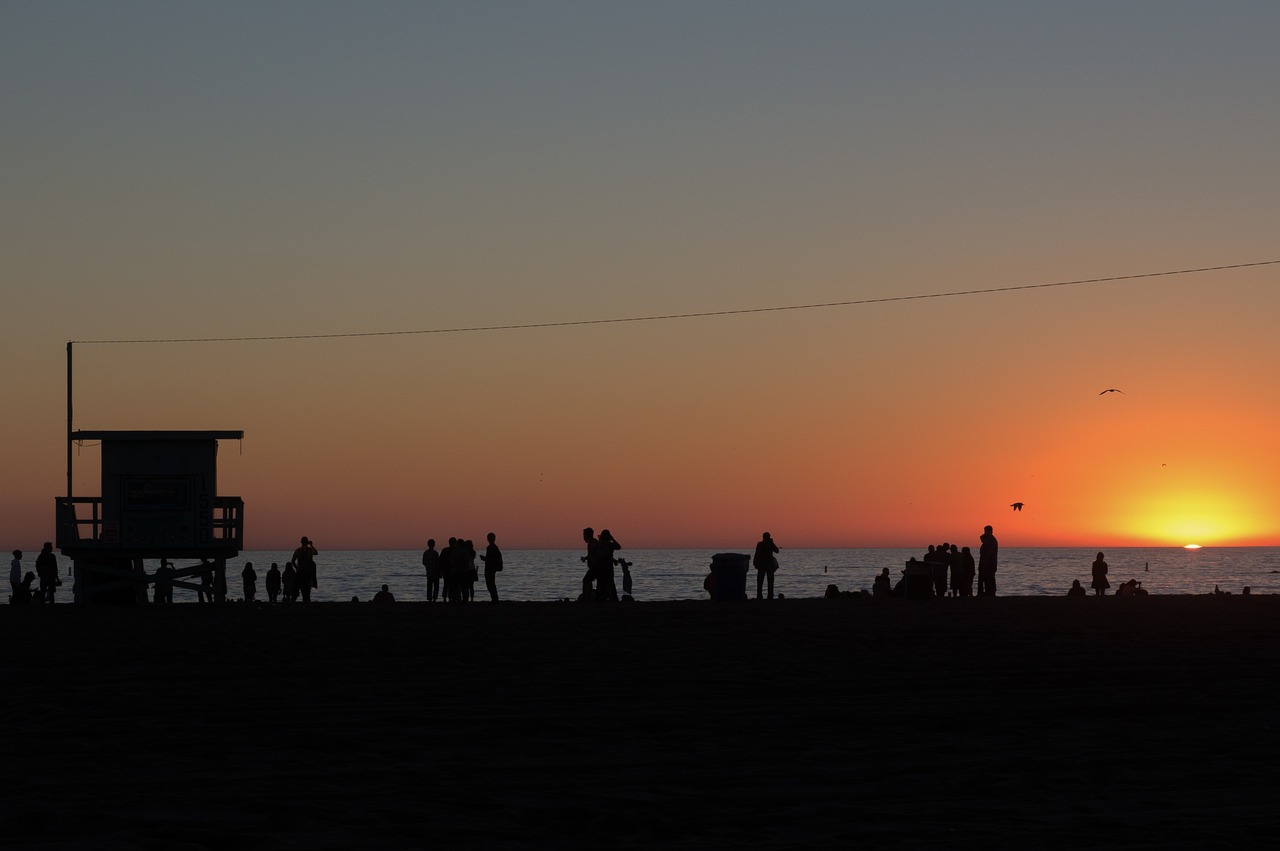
[[678, 574]]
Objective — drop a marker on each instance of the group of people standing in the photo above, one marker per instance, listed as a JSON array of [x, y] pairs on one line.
[[297, 579], [452, 572], [952, 570]]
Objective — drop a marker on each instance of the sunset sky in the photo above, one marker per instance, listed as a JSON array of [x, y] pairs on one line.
[[232, 170]]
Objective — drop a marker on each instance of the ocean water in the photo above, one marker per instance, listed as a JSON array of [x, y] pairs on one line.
[[545, 575]]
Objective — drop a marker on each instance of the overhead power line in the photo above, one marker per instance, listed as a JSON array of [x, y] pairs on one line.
[[696, 315]]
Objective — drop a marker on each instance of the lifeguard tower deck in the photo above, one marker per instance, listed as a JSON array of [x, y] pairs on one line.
[[158, 501]]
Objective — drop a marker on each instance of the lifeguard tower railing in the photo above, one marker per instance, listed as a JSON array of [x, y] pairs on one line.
[[82, 527]]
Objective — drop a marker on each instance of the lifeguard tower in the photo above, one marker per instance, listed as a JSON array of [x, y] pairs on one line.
[[159, 500]]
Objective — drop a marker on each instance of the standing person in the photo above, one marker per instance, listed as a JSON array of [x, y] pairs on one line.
[[289, 583], [164, 581], [955, 561], [250, 577], [220, 581], [47, 571], [469, 573], [305, 559], [765, 563], [589, 538], [606, 546], [273, 582], [205, 594], [1100, 583], [431, 561], [446, 570], [15, 575], [492, 559], [969, 570], [941, 562], [626, 576], [988, 555]]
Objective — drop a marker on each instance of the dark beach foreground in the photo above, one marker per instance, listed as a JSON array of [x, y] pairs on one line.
[[1002, 722]]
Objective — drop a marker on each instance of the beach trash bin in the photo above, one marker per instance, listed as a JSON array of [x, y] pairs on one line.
[[730, 572], [919, 575]]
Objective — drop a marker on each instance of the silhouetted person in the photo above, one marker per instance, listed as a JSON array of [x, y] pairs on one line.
[[431, 563], [23, 595], [1132, 588], [47, 571], [1100, 583], [446, 570], [220, 581], [164, 581], [626, 576], [766, 564], [988, 555], [589, 538], [492, 559], [205, 594], [273, 582], [289, 583], [469, 573], [955, 561], [941, 561], [882, 586], [970, 570], [15, 574], [606, 546], [304, 559], [1076, 589], [384, 596], [250, 577]]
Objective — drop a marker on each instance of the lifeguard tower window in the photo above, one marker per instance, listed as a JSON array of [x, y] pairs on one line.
[[159, 498]]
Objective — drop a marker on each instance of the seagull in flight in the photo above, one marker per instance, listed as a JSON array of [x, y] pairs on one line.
[[1017, 506], [1112, 390]]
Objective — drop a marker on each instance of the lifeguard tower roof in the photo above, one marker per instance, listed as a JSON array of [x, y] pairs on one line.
[[224, 434]]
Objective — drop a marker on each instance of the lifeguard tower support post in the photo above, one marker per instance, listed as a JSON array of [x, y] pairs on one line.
[[159, 500]]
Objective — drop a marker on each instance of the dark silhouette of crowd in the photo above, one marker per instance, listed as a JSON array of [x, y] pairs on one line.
[[945, 570]]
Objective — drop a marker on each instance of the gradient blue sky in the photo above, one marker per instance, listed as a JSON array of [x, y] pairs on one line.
[[245, 169]]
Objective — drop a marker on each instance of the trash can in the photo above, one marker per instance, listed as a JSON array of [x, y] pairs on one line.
[[730, 573], [919, 576]]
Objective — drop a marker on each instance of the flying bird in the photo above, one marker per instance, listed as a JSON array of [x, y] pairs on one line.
[[1112, 390], [1017, 506]]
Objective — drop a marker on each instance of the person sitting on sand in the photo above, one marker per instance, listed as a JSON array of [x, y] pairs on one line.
[[1100, 583], [882, 587], [1132, 588], [384, 596], [22, 594], [1076, 589]]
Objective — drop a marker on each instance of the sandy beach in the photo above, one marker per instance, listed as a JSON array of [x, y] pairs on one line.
[[1001, 722]]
